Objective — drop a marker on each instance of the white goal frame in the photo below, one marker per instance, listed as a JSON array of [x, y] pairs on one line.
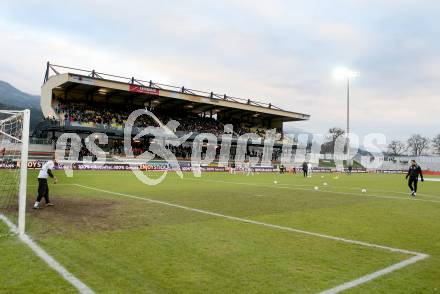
[[23, 163]]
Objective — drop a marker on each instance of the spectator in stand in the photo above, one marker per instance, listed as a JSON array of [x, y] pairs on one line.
[[109, 117]]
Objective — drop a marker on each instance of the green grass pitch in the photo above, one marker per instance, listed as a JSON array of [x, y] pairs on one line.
[[117, 244]]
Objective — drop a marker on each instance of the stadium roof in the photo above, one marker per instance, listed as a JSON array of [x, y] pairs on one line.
[[112, 88]]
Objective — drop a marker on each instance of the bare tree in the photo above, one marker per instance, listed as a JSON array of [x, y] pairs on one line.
[[417, 143], [333, 135], [436, 144], [396, 148]]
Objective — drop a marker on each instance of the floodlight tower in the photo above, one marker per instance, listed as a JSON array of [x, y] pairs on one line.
[[344, 73]]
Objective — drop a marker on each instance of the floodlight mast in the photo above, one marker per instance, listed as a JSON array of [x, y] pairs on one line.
[[345, 73]]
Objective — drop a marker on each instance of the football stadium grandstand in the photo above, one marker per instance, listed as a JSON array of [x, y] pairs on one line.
[[84, 102]]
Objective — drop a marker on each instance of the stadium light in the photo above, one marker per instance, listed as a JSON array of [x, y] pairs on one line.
[[103, 91], [345, 73]]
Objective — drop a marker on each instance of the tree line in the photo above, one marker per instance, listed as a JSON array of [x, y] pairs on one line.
[[416, 145]]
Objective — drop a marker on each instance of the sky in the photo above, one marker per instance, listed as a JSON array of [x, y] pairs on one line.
[[282, 52]]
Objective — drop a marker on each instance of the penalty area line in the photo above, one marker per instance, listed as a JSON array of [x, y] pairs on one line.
[[416, 255], [49, 260], [375, 275]]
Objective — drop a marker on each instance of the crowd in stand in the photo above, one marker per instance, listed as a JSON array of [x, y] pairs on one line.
[[99, 116], [115, 118]]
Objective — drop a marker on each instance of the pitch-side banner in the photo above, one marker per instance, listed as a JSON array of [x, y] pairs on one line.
[[152, 166]]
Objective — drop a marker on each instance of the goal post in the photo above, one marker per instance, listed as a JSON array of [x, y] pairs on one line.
[[14, 148], [23, 172]]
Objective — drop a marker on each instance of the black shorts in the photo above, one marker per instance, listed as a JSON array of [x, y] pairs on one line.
[[43, 190]]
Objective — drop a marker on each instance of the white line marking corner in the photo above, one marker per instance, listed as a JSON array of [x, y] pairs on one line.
[[49, 260]]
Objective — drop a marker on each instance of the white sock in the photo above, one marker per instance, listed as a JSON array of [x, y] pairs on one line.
[[36, 204]]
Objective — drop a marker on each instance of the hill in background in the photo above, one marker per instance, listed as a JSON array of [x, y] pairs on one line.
[[13, 99]]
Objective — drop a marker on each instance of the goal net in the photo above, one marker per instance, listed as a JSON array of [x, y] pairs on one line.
[[14, 141]]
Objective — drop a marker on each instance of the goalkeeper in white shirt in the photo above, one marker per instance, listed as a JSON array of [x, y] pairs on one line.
[[43, 188]]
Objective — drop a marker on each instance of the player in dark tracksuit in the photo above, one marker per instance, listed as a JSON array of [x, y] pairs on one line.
[[305, 168], [413, 177], [282, 169]]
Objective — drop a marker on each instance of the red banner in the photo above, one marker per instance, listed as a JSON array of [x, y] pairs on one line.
[[431, 173], [143, 89]]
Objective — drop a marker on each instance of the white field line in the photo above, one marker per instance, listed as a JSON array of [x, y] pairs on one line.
[[49, 260], [275, 186], [416, 255], [375, 275]]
